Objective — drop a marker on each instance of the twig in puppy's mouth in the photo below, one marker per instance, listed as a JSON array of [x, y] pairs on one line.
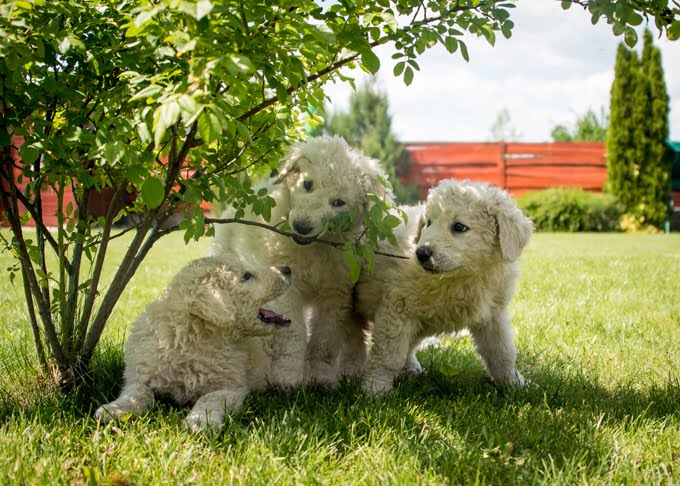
[[271, 317]]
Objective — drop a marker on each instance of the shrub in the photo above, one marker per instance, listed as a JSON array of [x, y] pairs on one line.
[[565, 209]]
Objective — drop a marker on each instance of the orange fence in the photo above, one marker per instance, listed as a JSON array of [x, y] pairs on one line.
[[517, 167]]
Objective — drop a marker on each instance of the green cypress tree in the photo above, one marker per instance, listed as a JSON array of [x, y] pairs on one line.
[[655, 172], [638, 127], [622, 167], [367, 125]]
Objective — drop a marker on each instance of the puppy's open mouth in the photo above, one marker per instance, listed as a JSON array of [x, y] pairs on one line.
[[271, 317], [301, 240]]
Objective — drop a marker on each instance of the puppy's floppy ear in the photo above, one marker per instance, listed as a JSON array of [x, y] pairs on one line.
[[514, 229], [291, 165], [207, 301], [419, 229]]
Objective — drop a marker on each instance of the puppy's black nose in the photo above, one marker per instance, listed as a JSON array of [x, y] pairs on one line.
[[302, 228], [285, 271], [423, 253]]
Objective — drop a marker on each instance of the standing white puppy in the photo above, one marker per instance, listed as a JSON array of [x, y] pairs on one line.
[[321, 192], [463, 245]]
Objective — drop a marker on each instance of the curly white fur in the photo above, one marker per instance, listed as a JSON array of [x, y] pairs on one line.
[[463, 245], [201, 341], [322, 185]]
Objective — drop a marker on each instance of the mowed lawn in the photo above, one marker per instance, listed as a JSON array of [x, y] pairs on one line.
[[597, 321]]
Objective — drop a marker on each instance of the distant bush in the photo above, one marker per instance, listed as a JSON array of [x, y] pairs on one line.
[[565, 209]]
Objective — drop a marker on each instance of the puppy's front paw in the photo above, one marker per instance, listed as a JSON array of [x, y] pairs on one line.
[[109, 412], [203, 421], [412, 367], [375, 386]]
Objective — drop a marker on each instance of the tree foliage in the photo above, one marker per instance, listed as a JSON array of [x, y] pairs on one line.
[[588, 128], [636, 172], [367, 125], [172, 101], [625, 15]]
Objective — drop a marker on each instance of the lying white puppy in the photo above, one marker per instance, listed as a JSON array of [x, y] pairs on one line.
[[464, 244], [201, 341]]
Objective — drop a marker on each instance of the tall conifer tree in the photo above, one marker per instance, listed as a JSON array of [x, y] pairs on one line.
[[367, 125], [655, 172], [638, 128]]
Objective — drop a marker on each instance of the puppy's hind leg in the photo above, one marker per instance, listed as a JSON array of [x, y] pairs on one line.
[[326, 340], [289, 345], [494, 343], [354, 352], [135, 398]]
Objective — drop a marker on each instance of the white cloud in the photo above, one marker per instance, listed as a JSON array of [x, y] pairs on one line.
[[556, 66]]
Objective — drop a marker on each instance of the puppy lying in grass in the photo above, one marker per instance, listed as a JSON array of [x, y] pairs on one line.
[[203, 341], [464, 244]]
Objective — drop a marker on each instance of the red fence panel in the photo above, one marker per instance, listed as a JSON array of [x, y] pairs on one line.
[[517, 167]]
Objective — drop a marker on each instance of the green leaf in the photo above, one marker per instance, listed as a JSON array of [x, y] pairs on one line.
[[29, 154], [390, 20], [370, 61], [114, 151], [153, 192], [630, 37], [408, 76], [209, 127], [189, 109], [352, 261], [391, 221], [197, 10], [148, 92], [464, 51], [136, 174], [399, 68], [673, 33], [165, 116], [566, 4], [451, 44]]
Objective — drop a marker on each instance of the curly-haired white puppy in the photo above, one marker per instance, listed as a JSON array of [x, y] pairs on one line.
[[321, 190], [203, 341], [464, 244]]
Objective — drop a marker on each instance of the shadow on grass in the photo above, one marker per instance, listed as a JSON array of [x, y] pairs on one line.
[[451, 419]]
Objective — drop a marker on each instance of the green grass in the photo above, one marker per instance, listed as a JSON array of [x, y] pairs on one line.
[[597, 322]]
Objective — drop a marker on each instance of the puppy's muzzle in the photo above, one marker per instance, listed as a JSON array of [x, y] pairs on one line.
[[302, 227], [423, 254]]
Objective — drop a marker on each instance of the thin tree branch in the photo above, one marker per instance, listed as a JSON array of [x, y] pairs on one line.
[[35, 328], [88, 305], [10, 203], [274, 229]]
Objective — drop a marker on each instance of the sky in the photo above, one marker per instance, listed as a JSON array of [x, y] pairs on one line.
[[555, 67]]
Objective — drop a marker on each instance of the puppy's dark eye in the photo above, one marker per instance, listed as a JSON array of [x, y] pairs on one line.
[[459, 228], [337, 203], [246, 276], [308, 185]]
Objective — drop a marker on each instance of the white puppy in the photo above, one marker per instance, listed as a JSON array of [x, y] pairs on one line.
[[202, 341], [321, 191], [464, 244]]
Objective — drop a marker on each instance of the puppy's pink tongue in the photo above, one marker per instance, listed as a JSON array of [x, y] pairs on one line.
[[271, 317]]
